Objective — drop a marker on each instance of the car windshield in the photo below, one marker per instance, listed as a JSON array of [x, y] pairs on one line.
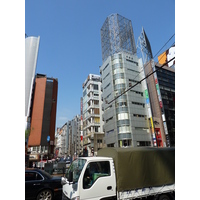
[[76, 167]]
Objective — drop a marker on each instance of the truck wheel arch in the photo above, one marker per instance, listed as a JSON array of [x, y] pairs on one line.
[[163, 197]]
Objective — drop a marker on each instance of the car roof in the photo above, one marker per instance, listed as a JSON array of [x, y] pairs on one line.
[[42, 172]]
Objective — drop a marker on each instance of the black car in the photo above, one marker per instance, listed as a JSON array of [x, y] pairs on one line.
[[40, 185]]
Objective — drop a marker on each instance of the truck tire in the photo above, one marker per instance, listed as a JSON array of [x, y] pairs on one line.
[[163, 197]]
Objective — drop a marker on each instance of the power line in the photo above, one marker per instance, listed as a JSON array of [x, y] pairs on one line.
[[164, 45], [139, 82], [143, 70], [157, 54]]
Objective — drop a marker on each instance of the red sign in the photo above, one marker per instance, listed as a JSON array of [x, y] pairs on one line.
[[156, 81], [161, 104]]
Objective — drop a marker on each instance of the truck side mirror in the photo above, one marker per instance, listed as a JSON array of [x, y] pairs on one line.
[[63, 181], [70, 177]]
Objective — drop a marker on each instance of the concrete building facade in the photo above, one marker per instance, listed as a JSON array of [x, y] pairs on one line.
[[126, 120], [92, 115], [43, 118]]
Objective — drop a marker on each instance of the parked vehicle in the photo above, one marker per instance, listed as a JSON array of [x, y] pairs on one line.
[[41, 186], [122, 173]]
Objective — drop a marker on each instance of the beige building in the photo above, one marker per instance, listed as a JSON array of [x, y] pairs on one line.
[[92, 115]]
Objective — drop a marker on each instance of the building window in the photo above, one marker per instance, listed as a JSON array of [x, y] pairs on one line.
[[106, 76], [97, 120], [131, 80], [143, 143], [109, 119], [138, 115], [124, 129], [96, 87], [119, 81], [133, 70], [121, 104], [107, 86], [96, 111], [96, 129], [96, 102], [105, 67], [122, 116], [110, 131], [137, 103], [137, 92], [84, 93]]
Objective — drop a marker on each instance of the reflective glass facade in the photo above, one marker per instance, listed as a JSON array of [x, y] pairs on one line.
[[117, 36]]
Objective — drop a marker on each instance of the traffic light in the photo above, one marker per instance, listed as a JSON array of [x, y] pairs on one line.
[[92, 150]]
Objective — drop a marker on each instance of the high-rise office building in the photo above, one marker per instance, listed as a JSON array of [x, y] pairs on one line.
[[92, 115], [31, 53], [43, 117], [126, 117]]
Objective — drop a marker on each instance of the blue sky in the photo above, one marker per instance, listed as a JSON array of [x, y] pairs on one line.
[[70, 42]]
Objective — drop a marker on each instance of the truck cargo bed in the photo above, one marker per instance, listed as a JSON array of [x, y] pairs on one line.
[[139, 168]]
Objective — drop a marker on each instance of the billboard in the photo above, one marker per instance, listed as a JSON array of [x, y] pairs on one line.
[[166, 56]]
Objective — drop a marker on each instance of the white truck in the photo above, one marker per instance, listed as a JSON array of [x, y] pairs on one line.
[[122, 173]]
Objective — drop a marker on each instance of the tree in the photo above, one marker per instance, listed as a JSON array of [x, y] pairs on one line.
[[27, 132]]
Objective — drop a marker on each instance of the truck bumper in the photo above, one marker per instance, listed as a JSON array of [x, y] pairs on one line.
[[64, 197]]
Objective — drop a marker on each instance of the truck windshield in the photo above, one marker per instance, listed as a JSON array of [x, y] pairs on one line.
[[76, 167]]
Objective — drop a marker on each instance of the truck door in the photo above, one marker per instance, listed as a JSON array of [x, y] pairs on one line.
[[98, 181]]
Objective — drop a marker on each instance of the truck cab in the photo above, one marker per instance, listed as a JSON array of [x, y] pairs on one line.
[[91, 178]]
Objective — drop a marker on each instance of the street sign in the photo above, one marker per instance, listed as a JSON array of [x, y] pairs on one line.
[[48, 138]]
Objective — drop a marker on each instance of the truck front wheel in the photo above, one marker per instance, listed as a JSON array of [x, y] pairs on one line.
[[163, 197]]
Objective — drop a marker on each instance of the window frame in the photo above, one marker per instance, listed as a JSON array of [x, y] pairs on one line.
[[99, 173], [36, 174]]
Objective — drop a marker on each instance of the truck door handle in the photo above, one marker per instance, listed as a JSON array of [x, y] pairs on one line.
[[36, 184], [109, 187]]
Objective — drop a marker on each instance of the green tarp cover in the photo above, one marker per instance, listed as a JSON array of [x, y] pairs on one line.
[[142, 167]]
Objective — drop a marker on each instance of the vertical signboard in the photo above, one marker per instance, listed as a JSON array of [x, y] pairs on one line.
[[160, 100], [81, 119], [150, 116]]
